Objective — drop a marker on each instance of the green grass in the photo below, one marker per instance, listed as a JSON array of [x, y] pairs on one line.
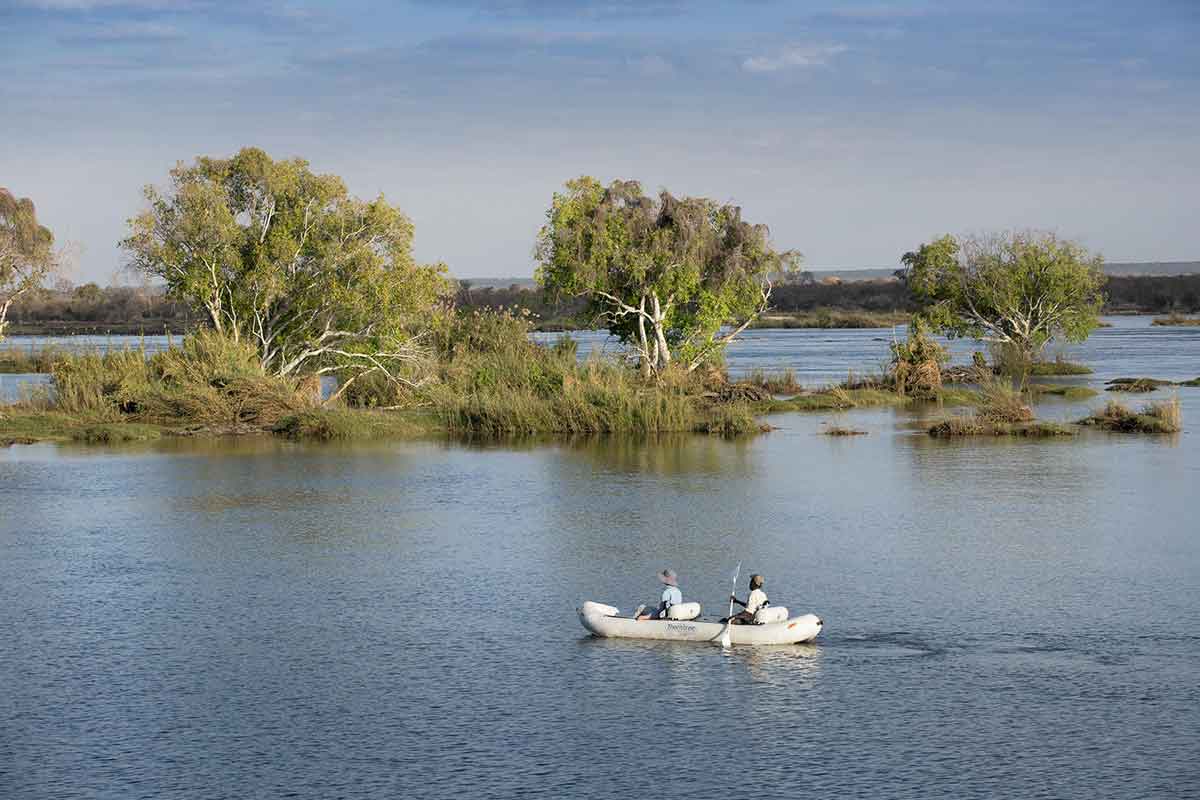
[[1059, 390], [775, 382], [25, 426], [1059, 366], [956, 396], [836, 399]]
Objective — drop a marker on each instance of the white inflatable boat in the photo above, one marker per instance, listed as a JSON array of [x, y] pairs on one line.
[[603, 620]]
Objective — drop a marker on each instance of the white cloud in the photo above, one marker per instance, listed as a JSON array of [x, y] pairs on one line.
[[799, 56]]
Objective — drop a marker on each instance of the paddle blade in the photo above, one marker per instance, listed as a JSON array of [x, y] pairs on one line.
[[726, 642]]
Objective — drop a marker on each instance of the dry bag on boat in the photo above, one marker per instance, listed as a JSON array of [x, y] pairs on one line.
[[598, 609], [683, 611], [765, 616]]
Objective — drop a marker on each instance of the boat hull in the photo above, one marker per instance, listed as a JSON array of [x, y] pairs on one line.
[[803, 628]]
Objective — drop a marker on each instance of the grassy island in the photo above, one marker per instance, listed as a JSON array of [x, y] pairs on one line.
[[1163, 416], [1176, 320]]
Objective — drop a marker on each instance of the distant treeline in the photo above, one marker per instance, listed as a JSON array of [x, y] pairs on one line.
[[1126, 294], [90, 308], [124, 309]]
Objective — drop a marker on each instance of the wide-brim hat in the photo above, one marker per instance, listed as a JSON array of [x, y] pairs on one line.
[[667, 576]]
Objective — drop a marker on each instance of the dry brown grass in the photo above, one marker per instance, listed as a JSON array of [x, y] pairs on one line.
[[1161, 416], [1001, 403]]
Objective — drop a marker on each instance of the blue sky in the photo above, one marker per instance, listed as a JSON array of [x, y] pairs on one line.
[[855, 130]]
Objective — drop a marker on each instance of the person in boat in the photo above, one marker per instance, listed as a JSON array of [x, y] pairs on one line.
[[756, 600], [671, 596]]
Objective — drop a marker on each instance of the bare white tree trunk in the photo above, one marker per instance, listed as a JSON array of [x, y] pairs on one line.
[[644, 355], [660, 335]]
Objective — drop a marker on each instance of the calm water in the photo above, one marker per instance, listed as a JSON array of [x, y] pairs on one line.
[[262, 619]]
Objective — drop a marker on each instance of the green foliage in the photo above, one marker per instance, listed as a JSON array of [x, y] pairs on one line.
[[286, 259], [665, 275], [26, 251], [493, 380], [1021, 288]]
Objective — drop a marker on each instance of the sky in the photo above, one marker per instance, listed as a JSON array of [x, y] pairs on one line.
[[855, 130]]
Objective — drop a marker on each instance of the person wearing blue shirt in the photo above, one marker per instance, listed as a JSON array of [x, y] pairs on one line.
[[671, 596]]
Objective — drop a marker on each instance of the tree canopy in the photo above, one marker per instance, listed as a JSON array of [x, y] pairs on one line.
[[665, 275], [26, 251], [283, 257], [1016, 288]]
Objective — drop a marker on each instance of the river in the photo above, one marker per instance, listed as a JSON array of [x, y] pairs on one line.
[[257, 618]]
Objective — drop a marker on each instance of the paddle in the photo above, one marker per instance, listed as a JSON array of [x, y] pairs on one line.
[[725, 640]]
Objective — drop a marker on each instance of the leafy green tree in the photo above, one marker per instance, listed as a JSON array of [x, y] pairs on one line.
[[318, 280], [1019, 289], [27, 255], [677, 279]]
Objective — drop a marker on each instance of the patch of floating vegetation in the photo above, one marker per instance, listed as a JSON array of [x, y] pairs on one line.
[[838, 430]]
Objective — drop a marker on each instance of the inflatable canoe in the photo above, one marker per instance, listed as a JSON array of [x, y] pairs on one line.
[[794, 630]]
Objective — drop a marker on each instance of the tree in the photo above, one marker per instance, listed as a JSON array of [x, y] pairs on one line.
[[666, 275], [271, 252], [1019, 289], [27, 255]]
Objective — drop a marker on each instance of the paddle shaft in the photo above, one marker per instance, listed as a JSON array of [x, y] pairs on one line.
[[733, 588]]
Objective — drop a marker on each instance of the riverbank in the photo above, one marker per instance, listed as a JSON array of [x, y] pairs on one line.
[[826, 318]]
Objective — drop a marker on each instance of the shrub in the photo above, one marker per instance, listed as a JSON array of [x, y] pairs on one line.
[[916, 366], [209, 380]]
